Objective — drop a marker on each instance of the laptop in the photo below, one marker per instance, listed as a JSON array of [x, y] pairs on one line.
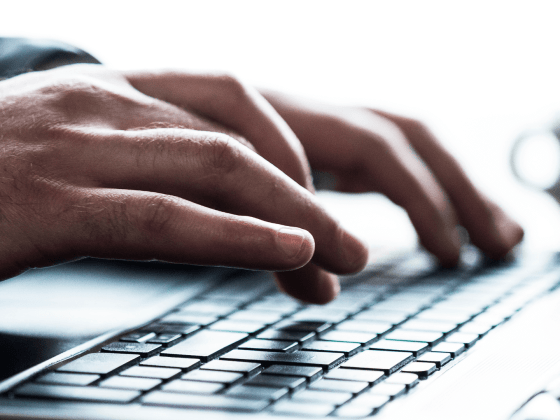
[[101, 339]]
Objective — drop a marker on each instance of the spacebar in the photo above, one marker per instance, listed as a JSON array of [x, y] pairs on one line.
[[300, 358], [211, 402], [76, 393]]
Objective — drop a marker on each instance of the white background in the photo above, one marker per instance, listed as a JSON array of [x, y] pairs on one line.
[[478, 72]]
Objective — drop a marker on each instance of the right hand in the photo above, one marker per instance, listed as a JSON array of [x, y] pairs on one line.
[[93, 167]]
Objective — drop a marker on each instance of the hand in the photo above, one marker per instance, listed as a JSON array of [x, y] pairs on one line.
[[92, 166], [370, 150]]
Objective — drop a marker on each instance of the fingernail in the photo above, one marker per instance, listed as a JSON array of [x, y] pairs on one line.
[[355, 251], [290, 241]]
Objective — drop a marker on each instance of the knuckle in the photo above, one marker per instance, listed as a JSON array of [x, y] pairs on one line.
[[222, 154], [231, 84], [157, 214]]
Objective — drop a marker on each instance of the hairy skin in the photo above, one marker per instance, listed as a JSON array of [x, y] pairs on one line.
[[202, 169]]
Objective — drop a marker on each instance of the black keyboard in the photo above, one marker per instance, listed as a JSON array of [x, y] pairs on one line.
[[245, 347]]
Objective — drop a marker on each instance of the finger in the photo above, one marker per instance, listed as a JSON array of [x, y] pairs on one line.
[[111, 223], [489, 227], [241, 108], [309, 284], [213, 169]]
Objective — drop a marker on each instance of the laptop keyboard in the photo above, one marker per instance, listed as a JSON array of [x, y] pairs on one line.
[[245, 347]]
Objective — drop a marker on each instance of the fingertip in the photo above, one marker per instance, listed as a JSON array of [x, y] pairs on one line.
[[355, 252], [309, 284], [296, 245]]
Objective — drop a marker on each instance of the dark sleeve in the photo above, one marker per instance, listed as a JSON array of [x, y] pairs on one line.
[[21, 55]]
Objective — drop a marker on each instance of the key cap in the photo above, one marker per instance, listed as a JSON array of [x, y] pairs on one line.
[[349, 337], [238, 326], [429, 337], [165, 339], [210, 402], [428, 325], [269, 345], [257, 392], [299, 336], [307, 372], [439, 359], [303, 409], [151, 372], [291, 382], [138, 384], [302, 358], [353, 387], [373, 401], [408, 379], [455, 349], [392, 317], [283, 309], [450, 316], [144, 350], [320, 315], [67, 379], [388, 389], [422, 369], [414, 347], [207, 308], [172, 362], [387, 361], [245, 368], [264, 317], [212, 376], [76, 393], [364, 326], [206, 345], [467, 339], [326, 397], [138, 337], [192, 387], [187, 318], [353, 411], [476, 328], [348, 349], [371, 376], [410, 308], [316, 327], [183, 329], [100, 363]]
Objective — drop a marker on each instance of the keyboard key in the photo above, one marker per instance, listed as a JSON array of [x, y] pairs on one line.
[[307, 372], [348, 349], [238, 326], [392, 317], [183, 329], [300, 358], [476, 328], [67, 379], [372, 401], [467, 339], [206, 345], [321, 315], [269, 345], [207, 308], [257, 392], [370, 376], [428, 325], [387, 361], [387, 389], [291, 382], [265, 317], [283, 309], [302, 409], [307, 326], [439, 359], [414, 347], [429, 337], [421, 369], [165, 339], [139, 384], [212, 376], [410, 308], [455, 349], [210, 402], [364, 326], [349, 337], [192, 387], [100, 363], [138, 337], [76, 393], [408, 379], [172, 362], [299, 336], [326, 397], [353, 411], [144, 350], [353, 387], [151, 372], [456, 317], [187, 318], [245, 368]]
